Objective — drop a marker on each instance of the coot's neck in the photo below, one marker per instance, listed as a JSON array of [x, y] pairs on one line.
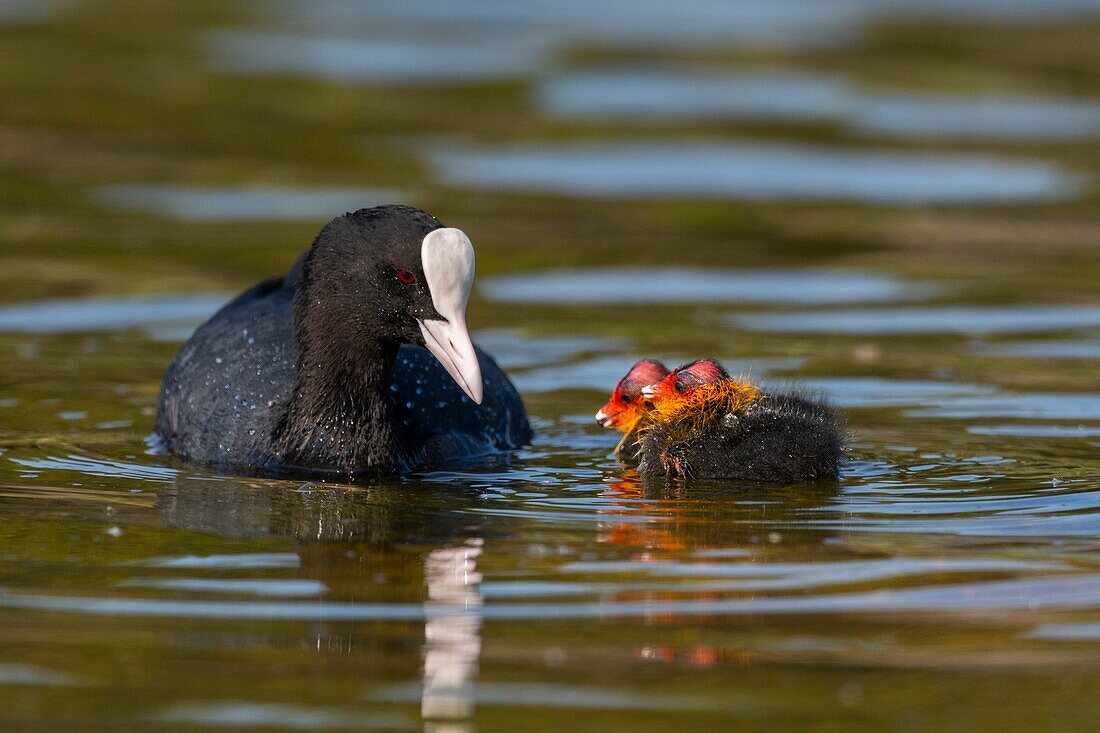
[[339, 416]]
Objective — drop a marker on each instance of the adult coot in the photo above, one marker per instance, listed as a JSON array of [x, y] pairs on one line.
[[705, 424], [325, 370]]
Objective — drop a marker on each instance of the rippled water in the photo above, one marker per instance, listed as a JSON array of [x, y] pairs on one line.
[[243, 203], [111, 314], [917, 247], [652, 23], [752, 171], [410, 60], [658, 95], [939, 319], [958, 543], [29, 11], [683, 286]]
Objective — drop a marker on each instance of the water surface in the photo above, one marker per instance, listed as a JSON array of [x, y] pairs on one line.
[[647, 22], [191, 203], [886, 247], [70, 315], [406, 60], [30, 11], [752, 172], [933, 319], [658, 95], [1086, 348], [808, 24], [642, 285]]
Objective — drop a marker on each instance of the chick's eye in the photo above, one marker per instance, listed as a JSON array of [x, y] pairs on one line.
[[406, 277], [679, 386], [626, 399]]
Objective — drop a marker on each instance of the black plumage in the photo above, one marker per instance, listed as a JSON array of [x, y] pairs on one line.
[[324, 370], [779, 438]]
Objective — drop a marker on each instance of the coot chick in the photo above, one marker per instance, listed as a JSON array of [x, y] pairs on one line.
[[357, 361], [706, 424], [626, 409]]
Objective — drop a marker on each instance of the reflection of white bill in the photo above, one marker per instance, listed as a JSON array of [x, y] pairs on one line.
[[451, 633]]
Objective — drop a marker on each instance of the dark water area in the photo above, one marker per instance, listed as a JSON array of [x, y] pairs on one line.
[[893, 205]]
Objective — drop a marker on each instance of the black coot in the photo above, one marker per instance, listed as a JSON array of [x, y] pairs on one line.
[[325, 370], [705, 424]]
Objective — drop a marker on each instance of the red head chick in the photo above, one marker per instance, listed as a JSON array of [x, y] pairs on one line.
[[699, 390], [626, 407]]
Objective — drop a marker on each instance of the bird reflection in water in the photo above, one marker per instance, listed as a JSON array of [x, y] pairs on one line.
[[426, 544], [690, 521], [666, 518], [452, 636], [346, 538], [636, 520]]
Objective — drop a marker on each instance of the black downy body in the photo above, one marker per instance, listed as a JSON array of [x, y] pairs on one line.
[[324, 370], [780, 438]]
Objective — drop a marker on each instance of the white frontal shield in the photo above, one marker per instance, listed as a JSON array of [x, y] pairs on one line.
[[448, 259]]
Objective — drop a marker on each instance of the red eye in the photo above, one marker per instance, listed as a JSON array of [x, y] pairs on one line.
[[406, 277]]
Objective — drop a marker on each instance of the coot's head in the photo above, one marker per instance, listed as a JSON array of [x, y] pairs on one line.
[[389, 275], [697, 393], [681, 382], [627, 406]]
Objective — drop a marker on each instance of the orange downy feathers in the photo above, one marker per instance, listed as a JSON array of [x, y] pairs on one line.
[[699, 407], [626, 410]]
